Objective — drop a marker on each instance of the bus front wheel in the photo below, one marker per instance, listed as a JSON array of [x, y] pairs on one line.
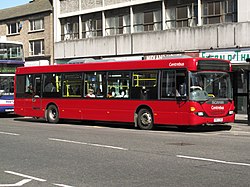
[[145, 119], [52, 114]]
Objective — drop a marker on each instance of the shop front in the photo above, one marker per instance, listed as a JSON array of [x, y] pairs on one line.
[[240, 77]]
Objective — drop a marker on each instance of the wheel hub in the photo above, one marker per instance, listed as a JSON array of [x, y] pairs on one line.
[[146, 119]]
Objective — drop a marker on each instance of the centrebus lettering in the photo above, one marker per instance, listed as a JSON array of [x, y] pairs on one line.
[[217, 107], [176, 64]]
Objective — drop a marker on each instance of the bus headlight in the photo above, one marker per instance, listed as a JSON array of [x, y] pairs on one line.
[[231, 112], [200, 113]]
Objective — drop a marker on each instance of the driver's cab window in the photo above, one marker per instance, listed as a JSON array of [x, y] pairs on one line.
[[181, 83], [173, 83]]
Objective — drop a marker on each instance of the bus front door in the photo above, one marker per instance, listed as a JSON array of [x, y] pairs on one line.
[[36, 99]]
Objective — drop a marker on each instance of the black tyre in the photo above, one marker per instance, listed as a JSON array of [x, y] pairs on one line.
[[145, 119], [52, 114]]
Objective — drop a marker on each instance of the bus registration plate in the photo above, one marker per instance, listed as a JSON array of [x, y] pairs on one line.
[[216, 120]]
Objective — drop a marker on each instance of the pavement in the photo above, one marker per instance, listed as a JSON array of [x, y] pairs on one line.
[[241, 119], [241, 123]]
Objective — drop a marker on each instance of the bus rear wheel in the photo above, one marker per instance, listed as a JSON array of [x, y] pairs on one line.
[[145, 119], [52, 114]]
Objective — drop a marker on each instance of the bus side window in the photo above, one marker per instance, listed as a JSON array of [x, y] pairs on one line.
[[145, 85], [118, 85], [94, 84], [20, 86], [72, 85], [52, 85], [29, 89], [49, 83], [168, 89]]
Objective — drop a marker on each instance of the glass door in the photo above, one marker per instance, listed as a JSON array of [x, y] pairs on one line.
[[36, 100], [241, 82]]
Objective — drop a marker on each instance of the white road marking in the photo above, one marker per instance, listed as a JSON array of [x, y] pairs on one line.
[[9, 133], [62, 185], [25, 176], [20, 183], [213, 160], [90, 144], [239, 132]]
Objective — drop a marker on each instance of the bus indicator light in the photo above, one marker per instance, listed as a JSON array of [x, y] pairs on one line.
[[192, 109]]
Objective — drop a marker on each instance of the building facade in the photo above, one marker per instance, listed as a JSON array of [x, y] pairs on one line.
[[151, 29], [31, 24], [104, 28]]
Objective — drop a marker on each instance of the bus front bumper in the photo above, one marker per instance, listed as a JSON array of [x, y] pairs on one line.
[[197, 120]]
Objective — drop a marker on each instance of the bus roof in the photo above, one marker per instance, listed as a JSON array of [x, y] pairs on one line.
[[177, 63]]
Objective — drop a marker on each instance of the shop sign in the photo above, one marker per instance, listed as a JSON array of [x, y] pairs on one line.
[[7, 69], [161, 56], [235, 56]]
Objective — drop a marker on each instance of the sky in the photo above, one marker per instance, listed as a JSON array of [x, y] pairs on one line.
[[11, 3]]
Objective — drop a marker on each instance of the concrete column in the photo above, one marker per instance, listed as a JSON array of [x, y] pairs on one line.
[[163, 16], [103, 24], [57, 24], [80, 27], [131, 20], [199, 13]]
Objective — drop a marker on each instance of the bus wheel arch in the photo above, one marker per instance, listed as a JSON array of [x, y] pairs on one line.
[[143, 118], [52, 113]]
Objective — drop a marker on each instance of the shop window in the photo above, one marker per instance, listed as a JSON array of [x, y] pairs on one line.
[[36, 25], [219, 11], [14, 28], [117, 22], [36, 47], [181, 15], [70, 28], [92, 26], [147, 21], [147, 17]]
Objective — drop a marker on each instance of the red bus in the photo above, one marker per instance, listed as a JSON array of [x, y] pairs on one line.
[[179, 91]]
